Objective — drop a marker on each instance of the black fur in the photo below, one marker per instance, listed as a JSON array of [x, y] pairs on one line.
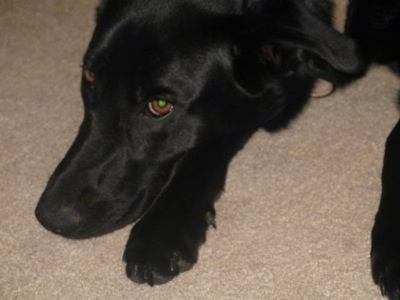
[[375, 25], [225, 68]]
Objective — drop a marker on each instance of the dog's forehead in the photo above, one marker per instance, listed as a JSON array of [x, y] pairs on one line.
[[138, 47], [114, 10], [179, 20]]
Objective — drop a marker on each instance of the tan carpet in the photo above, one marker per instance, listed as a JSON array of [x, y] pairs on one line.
[[294, 222]]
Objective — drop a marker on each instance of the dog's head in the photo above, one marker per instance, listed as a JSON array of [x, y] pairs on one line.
[[158, 80]]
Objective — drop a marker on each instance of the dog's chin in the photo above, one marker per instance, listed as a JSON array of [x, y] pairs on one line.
[[88, 231]]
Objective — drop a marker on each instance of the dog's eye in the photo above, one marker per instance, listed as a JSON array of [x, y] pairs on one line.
[[160, 107], [271, 53], [89, 76]]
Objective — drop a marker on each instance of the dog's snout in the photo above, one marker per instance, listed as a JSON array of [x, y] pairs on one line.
[[63, 220]]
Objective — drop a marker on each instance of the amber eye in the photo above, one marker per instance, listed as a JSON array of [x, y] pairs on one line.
[[160, 107], [89, 76]]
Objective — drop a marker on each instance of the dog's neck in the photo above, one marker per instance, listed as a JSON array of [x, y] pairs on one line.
[[339, 14]]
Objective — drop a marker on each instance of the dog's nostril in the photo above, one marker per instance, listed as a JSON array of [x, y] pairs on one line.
[[63, 221]]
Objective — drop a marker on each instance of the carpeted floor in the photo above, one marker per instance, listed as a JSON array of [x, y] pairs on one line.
[[294, 222]]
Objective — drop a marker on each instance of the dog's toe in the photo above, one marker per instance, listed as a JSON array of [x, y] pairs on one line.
[[156, 273], [143, 274], [156, 263], [386, 274]]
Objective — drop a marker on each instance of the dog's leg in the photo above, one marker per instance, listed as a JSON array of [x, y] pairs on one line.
[[385, 253], [166, 241]]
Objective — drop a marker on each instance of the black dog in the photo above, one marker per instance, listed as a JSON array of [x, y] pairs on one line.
[[173, 90]]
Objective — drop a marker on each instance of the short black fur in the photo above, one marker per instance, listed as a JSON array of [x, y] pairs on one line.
[[172, 92]]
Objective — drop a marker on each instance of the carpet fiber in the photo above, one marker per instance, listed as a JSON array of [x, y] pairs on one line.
[[294, 222]]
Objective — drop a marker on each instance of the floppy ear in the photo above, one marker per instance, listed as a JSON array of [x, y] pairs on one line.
[[321, 40], [299, 37]]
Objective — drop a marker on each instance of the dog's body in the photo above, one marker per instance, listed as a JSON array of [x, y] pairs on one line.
[[173, 91]]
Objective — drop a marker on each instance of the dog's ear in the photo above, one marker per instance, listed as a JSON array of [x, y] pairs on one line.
[[317, 38], [287, 35]]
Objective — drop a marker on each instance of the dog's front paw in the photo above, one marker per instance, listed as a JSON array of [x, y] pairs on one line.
[[156, 254], [385, 256], [154, 267], [386, 272]]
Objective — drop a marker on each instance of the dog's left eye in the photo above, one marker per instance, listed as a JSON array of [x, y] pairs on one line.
[[160, 107], [89, 77]]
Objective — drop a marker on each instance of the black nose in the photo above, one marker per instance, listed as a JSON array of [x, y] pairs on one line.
[[63, 220]]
